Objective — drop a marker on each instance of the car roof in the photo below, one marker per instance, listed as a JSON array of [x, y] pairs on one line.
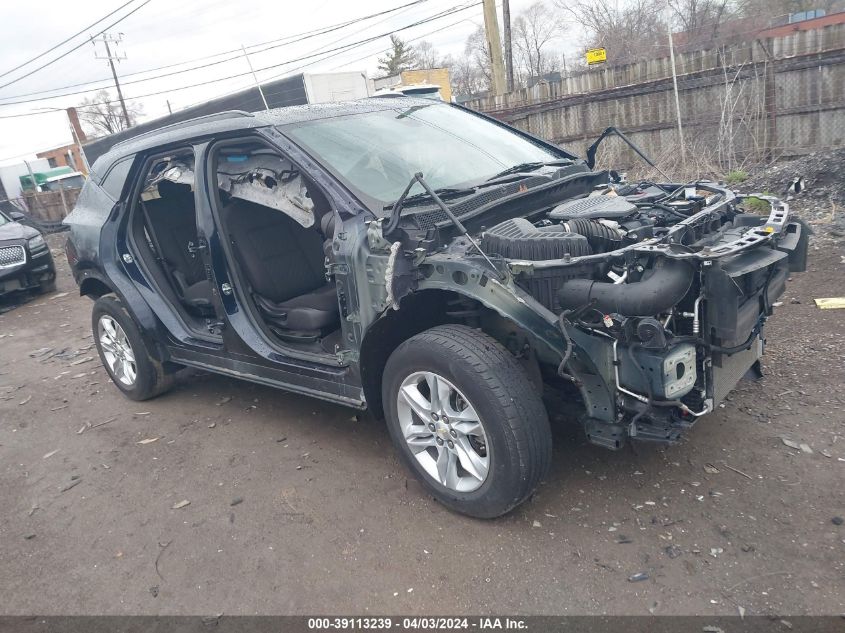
[[233, 120]]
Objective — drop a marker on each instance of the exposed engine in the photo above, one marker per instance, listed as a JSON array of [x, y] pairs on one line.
[[660, 292], [669, 291], [598, 225]]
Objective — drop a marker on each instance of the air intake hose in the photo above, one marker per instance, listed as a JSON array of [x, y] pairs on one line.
[[668, 283], [601, 237]]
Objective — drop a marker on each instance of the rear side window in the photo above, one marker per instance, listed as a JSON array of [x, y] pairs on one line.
[[116, 178]]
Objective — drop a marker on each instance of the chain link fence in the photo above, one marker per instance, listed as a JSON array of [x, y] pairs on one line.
[[44, 210]]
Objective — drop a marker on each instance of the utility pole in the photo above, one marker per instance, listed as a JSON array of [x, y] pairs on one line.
[[506, 18], [78, 135], [105, 38], [494, 43]]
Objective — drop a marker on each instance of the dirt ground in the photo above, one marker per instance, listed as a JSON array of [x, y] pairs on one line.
[[298, 506]]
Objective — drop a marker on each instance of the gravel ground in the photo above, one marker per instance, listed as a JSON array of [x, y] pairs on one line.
[[822, 202], [297, 506]]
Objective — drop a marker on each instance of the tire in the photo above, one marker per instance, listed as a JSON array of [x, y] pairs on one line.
[[145, 377], [47, 287], [514, 438]]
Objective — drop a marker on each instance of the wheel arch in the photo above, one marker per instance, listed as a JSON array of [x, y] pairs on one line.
[[434, 305], [418, 312], [94, 287]]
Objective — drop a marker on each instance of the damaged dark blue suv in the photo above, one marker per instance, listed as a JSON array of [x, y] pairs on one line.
[[435, 266]]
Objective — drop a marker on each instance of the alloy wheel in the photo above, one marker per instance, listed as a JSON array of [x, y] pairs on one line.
[[443, 431], [117, 351]]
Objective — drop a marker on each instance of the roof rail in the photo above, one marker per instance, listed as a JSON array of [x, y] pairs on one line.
[[208, 118]]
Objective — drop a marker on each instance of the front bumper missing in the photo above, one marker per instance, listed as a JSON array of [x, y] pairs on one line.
[[729, 323]]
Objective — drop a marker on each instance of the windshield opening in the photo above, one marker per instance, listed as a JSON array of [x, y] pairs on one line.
[[377, 153]]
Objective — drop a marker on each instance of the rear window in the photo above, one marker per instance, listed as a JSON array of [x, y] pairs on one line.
[[116, 177]]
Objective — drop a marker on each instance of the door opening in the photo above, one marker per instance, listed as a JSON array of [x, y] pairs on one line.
[[277, 227], [164, 231]]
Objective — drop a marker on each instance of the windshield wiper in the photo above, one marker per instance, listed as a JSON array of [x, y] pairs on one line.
[[524, 167]]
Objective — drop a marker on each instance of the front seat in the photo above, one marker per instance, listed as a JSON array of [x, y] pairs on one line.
[[284, 264]]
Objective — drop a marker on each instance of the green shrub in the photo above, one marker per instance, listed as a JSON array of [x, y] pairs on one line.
[[736, 177], [757, 205]]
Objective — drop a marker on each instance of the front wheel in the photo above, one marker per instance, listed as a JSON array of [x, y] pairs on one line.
[[467, 420]]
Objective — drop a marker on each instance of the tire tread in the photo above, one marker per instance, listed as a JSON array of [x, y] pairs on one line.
[[525, 415]]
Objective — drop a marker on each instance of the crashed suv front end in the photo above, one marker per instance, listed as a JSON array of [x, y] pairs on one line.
[[650, 299], [683, 319]]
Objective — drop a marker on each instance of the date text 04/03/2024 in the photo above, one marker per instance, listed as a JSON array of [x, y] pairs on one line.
[[417, 623]]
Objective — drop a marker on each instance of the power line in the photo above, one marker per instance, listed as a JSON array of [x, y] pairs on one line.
[[65, 41], [413, 39], [337, 42], [149, 70], [401, 9], [77, 47], [17, 116], [337, 50], [285, 41], [346, 47]]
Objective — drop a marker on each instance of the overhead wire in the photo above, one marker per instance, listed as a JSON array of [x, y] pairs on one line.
[[77, 47], [277, 43], [337, 50], [65, 41], [444, 12], [400, 9]]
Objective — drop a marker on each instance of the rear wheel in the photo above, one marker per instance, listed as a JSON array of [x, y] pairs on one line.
[[466, 420], [123, 351]]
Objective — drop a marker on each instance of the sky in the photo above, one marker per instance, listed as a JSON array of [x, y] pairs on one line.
[[164, 33]]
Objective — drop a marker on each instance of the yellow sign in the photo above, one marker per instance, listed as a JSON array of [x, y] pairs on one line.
[[596, 56]]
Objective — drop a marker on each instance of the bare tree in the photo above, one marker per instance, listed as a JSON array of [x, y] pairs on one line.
[[533, 32], [701, 20], [400, 57], [427, 56], [466, 77], [102, 115], [478, 53], [630, 30]]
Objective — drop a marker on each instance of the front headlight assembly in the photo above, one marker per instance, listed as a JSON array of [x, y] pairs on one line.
[[36, 243]]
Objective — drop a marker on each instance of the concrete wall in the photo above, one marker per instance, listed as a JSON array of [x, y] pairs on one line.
[[783, 95]]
